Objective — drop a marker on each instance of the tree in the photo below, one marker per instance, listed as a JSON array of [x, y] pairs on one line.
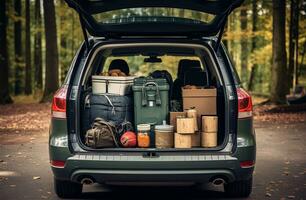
[[28, 75], [279, 61], [38, 46], [254, 43], [293, 41], [244, 45], [18, 48], [63, 41], [4, 68], [51, 73]]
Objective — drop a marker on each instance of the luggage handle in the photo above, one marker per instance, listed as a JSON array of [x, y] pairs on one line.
[[144, 94]]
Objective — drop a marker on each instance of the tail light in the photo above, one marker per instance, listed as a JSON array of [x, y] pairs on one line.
[[245, 106], [59, 103], [247, 164], [57, 163]]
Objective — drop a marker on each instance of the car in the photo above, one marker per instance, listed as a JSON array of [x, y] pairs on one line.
[[147, 33]]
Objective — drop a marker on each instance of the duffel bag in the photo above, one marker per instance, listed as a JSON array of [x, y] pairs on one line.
[[101, 135], [114, 108]]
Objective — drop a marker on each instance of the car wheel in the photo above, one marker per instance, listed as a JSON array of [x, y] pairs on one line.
[[67, 189], [239, 188]]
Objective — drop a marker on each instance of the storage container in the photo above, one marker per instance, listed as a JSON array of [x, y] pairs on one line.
[[174, 116], [185, 125], [196, 139], [192, 113], [202, 99], [209, 124], [143, 135], [182, 141], [208, 139], [120, 85], [150, 100], [164, 136]]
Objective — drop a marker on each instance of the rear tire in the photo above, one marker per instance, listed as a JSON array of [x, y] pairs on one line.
[[239, 188], [67, 189]]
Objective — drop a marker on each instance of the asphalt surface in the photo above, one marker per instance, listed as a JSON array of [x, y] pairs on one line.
[[280, 171]]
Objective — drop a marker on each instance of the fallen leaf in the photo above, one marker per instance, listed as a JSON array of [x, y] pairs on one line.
[[268, 194], [36, 177]]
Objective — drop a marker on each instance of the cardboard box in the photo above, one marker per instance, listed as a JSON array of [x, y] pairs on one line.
[[173, 116], [209, 124], [196, 139], [208, 139], [203, 100], [185, 125], [182, 141]]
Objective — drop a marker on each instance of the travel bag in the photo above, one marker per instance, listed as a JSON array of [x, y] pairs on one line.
[[114, 108]]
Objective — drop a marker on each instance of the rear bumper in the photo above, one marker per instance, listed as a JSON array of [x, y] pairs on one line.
[[135, 168]]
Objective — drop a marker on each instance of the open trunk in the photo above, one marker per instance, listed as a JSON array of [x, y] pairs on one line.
[[143, 59]]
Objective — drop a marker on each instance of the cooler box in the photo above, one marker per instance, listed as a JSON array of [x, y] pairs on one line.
[[151, 100], [120, 85]]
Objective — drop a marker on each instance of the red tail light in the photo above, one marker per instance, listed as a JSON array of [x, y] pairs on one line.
[[57, 163], [245, 106], [247, 164], [59, 103]]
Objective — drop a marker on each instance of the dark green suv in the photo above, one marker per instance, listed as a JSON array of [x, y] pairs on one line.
[[169, 30]]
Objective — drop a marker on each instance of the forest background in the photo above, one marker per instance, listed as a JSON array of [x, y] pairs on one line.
[[38, 40]]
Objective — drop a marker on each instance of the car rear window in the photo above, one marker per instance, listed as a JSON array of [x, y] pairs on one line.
[[150, 14], [139, 67]]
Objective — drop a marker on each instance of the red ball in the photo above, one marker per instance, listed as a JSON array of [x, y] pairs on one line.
[[129, 139]]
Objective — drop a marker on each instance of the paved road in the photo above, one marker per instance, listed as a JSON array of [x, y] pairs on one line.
[[280, 171]]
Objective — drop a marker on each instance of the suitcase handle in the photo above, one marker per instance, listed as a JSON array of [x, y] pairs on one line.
[[144, 94]]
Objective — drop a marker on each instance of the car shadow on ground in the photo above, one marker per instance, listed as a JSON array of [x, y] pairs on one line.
[[141, 193]]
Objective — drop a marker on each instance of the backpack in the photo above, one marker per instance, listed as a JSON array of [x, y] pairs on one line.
[[101, 135]]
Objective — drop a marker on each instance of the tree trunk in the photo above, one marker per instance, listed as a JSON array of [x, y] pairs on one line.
[[28, 75], [38, 47], [63, 47], [19, 62], [296, 34], [244, 46], [51, 75], [4, 68], [293, 40], [254, 44], [279, 71]]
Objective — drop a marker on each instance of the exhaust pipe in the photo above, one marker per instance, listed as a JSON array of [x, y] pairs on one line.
[[87, 181], [218, 181]]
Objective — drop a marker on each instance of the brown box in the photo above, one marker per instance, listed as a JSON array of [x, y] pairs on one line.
[[182, 141], [208, 139], [173, 116], [209, 124], [203, 100], [185, 125], [196, 139]]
